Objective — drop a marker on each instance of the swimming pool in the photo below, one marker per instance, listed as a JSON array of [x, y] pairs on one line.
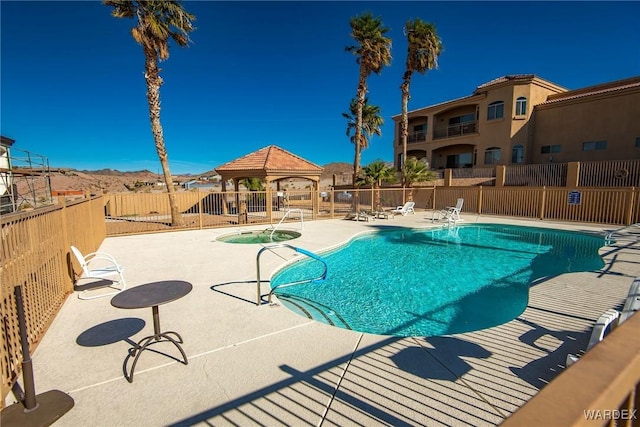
[[434, 282]]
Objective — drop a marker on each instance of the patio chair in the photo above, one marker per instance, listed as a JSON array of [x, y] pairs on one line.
[[98, 267], [632, 303], [404, 210], [607, 322], [450, 213], [612, 318]]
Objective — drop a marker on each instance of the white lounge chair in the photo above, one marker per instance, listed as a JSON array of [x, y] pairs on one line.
[[404, 210], [611, 319], [632, 303], [99, 267], [608, 321], [450, 213]]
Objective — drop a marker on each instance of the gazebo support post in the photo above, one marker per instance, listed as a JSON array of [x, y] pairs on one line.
[[268, 201]]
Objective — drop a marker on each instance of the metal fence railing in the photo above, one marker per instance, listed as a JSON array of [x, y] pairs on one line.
[[620, 173], [546, 174]]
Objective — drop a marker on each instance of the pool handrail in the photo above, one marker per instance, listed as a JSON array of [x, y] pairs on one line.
[[283, 218], [310, 254], [632, 236]]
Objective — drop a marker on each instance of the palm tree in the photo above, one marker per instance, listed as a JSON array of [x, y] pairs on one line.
[[157, 22], [373, 52], [252, 184], [422, 55], [415, 170], [371, 122], [375, 173]]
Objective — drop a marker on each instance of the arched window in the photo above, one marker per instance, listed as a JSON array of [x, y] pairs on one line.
[[495, 110], [517, 154], [521, 106], [492, 156]]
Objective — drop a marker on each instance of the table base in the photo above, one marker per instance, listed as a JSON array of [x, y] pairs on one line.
[[144, 343]]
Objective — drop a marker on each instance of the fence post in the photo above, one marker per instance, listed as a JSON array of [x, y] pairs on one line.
[[66, 250], [630, 200], [542, 206], [480, 200], [332, 206], [573, 174], [199, 207], [448, 177], [501, 174]]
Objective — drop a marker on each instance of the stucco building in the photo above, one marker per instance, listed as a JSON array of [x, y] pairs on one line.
[[524, 119]]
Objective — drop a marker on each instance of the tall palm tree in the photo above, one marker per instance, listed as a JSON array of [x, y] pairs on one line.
[[422, 54], [373, 52], [371, 122], [157, 22], [415, 170], [376, 173]]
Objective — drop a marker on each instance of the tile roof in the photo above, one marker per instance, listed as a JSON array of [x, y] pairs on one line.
[[505, 79], [270, 158], [594, 90]]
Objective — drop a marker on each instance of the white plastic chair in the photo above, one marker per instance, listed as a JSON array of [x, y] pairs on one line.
[[99, 267], [450, 213], [612, 318], [404, 210]]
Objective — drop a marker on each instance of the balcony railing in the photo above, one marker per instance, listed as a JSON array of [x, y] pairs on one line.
[[458, 129], [416, 137]]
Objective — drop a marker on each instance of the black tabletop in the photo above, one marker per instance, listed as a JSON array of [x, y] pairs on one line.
[[151, 294]]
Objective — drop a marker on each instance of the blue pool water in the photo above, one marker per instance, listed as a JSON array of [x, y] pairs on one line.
[[434, 282]]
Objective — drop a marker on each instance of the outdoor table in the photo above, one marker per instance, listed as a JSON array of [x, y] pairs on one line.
[[152, 295]]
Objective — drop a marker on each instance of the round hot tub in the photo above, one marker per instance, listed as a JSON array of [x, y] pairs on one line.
[[259, 236]]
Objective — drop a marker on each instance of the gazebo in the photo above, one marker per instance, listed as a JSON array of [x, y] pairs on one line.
[[271, 164]]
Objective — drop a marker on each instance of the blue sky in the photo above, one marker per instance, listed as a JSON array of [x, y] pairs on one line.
[[262, 73]]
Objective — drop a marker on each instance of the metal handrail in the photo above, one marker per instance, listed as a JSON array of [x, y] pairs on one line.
[[633, 236], [322, 277], [284, 216]]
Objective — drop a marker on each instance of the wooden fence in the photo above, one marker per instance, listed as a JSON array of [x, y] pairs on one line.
[[143, 213], [35, 255]]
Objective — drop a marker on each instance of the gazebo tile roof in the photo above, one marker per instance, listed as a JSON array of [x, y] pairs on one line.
[[270, 158]]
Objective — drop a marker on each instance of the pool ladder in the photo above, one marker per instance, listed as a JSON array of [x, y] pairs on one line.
[[321, 278]]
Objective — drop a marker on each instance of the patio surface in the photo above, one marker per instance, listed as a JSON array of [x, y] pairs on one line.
[[265, 365]]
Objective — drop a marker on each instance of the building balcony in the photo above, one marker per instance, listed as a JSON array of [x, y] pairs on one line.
[[416, 137], [458, 129]]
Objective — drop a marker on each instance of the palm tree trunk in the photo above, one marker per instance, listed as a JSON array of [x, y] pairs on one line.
[[404, 128], [154, 81], [362, 90], [377, 196]]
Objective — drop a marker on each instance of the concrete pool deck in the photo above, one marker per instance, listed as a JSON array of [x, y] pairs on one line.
[[265, 365]]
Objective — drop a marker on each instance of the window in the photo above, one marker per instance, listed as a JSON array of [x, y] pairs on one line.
[[638, 142], [495, 110], [546, 149], [420, 128], [492, 156], [521, 106], [462, 119], [419, 133], [462, 160], [517, 154], [594, 145]]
